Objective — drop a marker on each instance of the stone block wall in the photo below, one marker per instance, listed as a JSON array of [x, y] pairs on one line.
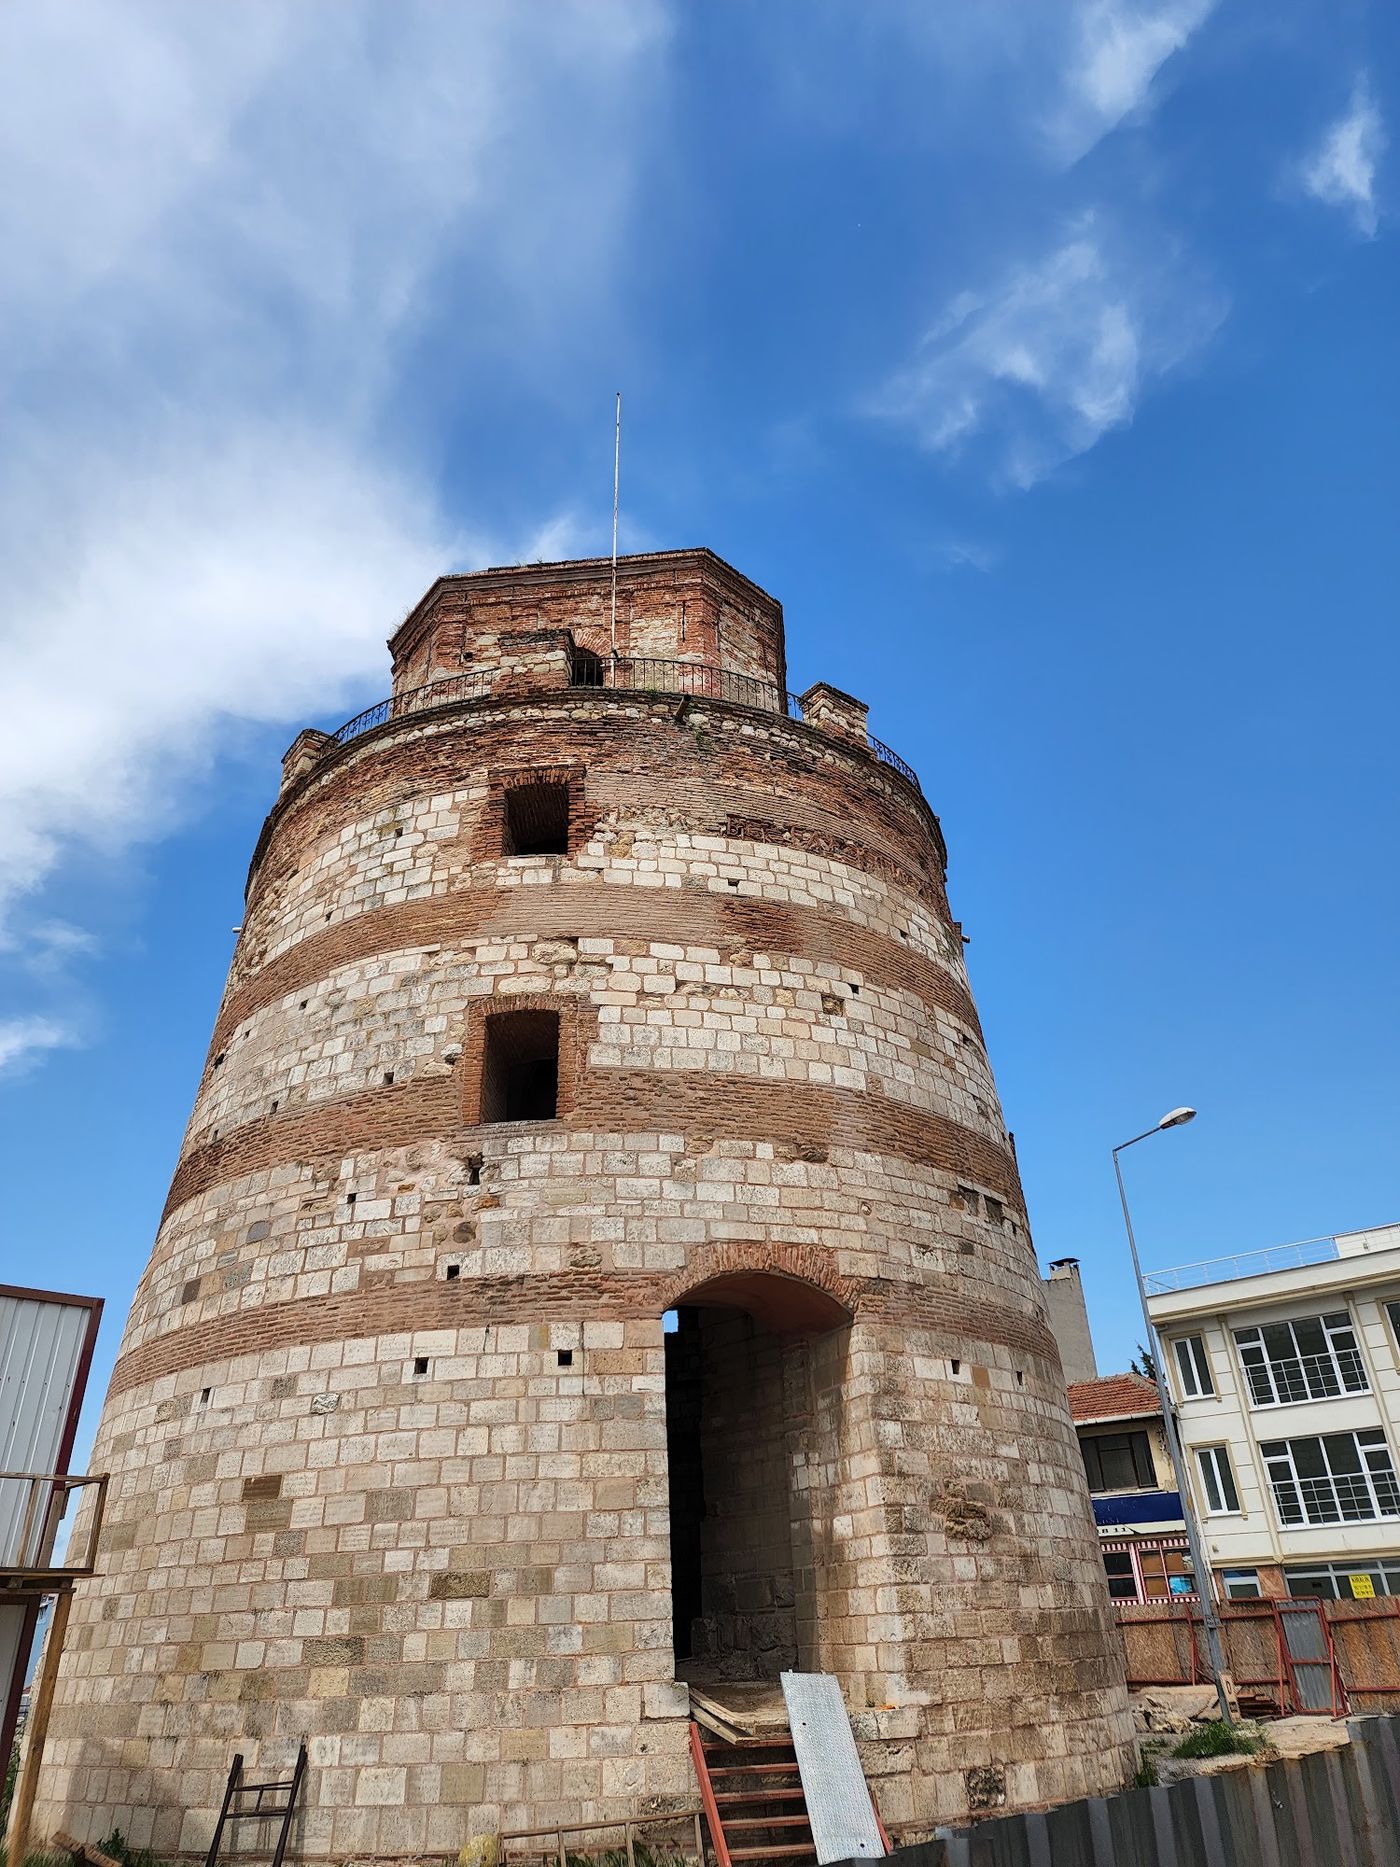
[[388, 1431]]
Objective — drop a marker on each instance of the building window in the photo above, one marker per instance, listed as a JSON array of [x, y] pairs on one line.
[[1218, 1481], [1149, 1571], [1310, 1358], [537, 820], [520, 1072], [1345, 1581], [1241, 1584], [1392, 1310], [1118, 1462], [1334, 1478], [1192, 1367], [1122, 1576]]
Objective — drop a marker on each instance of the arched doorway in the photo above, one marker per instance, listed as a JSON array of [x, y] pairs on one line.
[[754, 1368]]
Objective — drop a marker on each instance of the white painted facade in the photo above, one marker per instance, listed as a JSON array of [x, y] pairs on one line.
[[1285, 1368]]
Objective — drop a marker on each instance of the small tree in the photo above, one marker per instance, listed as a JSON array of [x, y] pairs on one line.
[[1144, 1363]]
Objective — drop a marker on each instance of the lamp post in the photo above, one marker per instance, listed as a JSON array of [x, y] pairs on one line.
[[1205, 1592]]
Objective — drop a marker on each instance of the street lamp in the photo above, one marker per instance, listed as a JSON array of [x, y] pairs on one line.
[[1176, 1118]]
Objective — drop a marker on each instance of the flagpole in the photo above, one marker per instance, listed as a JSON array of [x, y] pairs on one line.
[[617, 462]]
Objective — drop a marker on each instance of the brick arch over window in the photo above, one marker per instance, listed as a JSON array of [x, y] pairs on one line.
[[578, 1025], [786, 1287], [492, 839]]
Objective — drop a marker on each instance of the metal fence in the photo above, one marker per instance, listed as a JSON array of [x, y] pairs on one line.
[[1338, 1806], [645, 674], [1300, 1256]]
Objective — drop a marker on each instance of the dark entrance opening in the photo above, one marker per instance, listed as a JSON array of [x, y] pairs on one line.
[[747, 1387], [520, 1076]]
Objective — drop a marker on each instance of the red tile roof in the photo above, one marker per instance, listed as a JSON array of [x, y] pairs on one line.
[[1112, 1397]]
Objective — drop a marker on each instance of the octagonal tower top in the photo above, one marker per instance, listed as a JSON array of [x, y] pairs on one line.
[[671, 606]]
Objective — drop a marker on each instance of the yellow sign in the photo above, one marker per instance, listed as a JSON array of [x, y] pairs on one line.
[[1362, 1587]]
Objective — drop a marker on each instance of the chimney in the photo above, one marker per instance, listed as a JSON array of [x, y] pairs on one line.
[[1069, 1320]]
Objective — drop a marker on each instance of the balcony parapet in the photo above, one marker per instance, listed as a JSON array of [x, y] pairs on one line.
[[32, 1507], [548, 663]]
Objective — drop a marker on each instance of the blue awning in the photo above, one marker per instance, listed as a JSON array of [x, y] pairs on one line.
[[1133, 1507]]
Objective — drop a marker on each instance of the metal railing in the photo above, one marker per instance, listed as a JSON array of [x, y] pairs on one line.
[[547, 1847], [1307, 1251], [649, 674], [644, 674], [447, 692], [32, 1505]]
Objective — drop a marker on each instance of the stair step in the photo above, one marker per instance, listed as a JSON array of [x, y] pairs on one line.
[[725, 1797], [755, 1769], [807, 1852]]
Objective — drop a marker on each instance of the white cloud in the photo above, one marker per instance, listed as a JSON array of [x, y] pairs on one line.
[[1116, 51], [1342, 169], [24, 1040], [223, 249], [1054, 356]]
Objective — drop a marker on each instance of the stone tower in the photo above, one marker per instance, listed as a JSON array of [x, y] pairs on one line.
[[596, 1261]]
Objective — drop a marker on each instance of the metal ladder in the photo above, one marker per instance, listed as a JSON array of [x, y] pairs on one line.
[[754, 1804], [258, 1802]]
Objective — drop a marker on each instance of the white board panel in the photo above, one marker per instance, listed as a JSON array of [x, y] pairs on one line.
[[838, 1801]]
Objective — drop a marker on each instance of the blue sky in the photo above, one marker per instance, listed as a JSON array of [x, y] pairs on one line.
[[1040, 357]]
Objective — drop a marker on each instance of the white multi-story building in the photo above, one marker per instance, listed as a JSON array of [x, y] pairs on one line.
[[1285, 1368]]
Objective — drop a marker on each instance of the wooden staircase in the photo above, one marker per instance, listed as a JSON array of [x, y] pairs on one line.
[[258, 1802], [753, 1800]]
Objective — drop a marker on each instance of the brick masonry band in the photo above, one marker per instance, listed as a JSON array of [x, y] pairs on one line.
[[612, 1102], [567, 1296], [633, 746], [590, 909]]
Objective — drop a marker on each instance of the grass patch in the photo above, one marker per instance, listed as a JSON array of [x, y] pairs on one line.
[[1218, 1740]]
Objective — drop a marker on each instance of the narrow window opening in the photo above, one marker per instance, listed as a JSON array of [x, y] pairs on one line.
[[454, 1271], [566, 1357], [388, 1078], [329, 912], [520, 1080], [215, 1135], [1020, 1378], [350, 1198], [219, 1060], [537, 820], [205, 1396], [474, 1170], [853, 988], [956, 1366], [420, 1364], [733, 881], [276, 1104], [304, 1003]]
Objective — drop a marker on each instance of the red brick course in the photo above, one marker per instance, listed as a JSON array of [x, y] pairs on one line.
[[566, 1297], [577, 905], [610, 1101]]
